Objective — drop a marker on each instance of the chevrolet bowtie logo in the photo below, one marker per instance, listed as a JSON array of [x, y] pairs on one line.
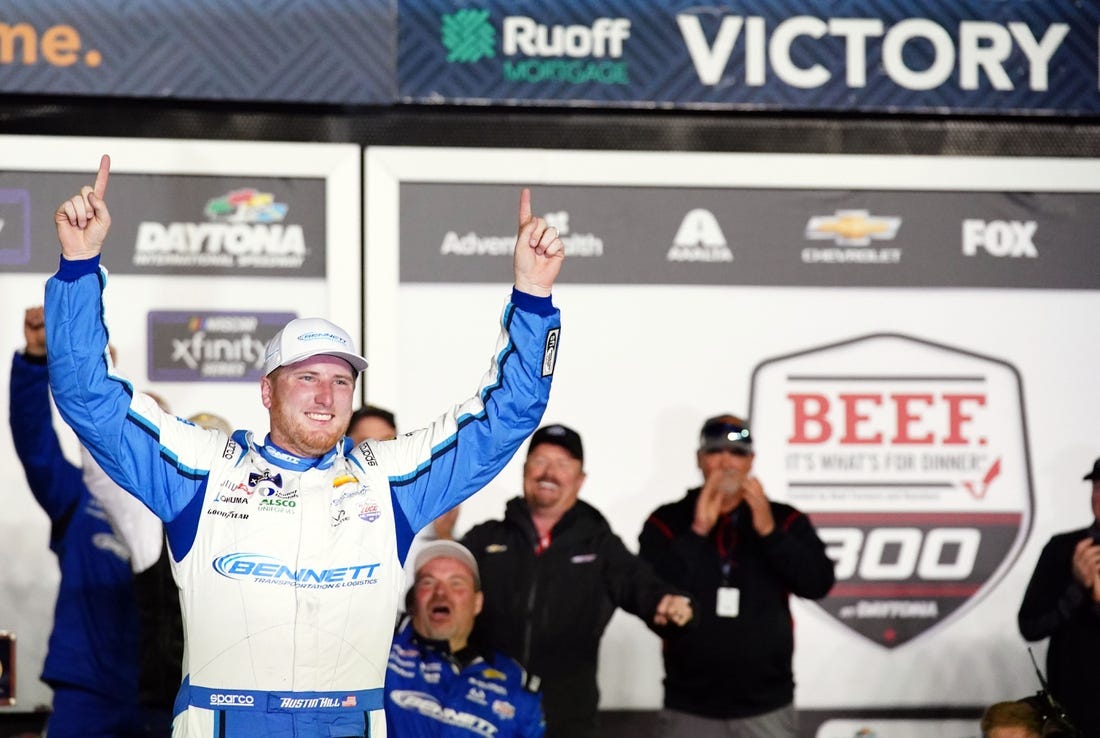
[[254, 479], [852, 227]]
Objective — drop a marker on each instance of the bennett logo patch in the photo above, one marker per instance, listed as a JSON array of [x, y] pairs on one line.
[[550, 352], [911, 459]]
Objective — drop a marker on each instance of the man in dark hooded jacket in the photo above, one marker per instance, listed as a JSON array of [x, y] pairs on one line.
[[553, 573]]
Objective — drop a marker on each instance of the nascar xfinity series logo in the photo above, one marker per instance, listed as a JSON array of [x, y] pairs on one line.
[[539, 52], [244, 228], [264, 569], [911, 459], [208, 346]]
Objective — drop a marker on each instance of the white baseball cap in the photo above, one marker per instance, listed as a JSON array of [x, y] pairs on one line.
[[447, 550], [302, 338]]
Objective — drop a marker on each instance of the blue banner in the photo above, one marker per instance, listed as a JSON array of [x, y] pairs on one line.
[[966, 56], [974, 56]]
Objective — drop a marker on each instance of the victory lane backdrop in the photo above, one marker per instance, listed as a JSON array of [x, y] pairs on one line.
[[898, 328], [213, 246]]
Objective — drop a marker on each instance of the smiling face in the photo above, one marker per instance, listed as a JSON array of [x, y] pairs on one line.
[[445, 601], [309, 404], [552, 480]]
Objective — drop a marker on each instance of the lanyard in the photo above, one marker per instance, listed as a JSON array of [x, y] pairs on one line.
[[726, 537]]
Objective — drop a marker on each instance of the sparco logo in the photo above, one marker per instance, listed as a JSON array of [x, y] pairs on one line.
[[246, 230], [918, 481], [200, 347], [219, 699], [699, 238]]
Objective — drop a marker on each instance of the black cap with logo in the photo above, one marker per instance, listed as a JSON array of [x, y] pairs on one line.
[[559, 435], [726, 433]]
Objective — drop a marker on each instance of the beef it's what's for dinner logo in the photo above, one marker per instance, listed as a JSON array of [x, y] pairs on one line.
[[911, 459]]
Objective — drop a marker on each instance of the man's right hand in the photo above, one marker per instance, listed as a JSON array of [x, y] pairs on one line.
[[34, 331], [82, 220]]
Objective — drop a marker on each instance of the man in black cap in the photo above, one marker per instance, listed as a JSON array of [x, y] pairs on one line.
[[553, 573], [1062, 602], [740, 556]]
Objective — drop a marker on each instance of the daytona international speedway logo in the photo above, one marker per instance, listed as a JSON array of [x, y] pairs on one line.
[[911, 459]]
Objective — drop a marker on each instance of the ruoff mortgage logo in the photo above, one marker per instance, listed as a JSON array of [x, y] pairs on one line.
[[853, 233], [911, 459], [539, 52], [209, 346], [474, 244], [245, 228]]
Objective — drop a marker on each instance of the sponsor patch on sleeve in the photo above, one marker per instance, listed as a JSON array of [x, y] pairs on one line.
[[550, 352]]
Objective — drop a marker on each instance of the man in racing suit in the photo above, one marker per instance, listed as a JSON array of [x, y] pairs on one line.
[[287, 549], [92, 659], [438, 682]]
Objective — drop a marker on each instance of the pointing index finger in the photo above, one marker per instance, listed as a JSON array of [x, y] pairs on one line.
[[101, 176], [524, 206]]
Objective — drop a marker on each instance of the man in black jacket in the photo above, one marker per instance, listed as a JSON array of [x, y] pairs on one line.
[[553, 573], [1063, 602], [740, 556]]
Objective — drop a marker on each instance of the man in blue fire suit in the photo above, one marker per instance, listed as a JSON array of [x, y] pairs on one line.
[[92, 659], [440, 684], [288, 548]]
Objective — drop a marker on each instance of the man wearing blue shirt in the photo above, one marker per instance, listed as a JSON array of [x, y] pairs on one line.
[[92, 658], [437, 682]]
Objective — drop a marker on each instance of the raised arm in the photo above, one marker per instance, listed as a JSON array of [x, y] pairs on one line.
[[123, 429], [54, 481], [433, 469]]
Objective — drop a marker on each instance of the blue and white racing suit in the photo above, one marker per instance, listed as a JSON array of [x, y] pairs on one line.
[[289, 568], [431, 694]]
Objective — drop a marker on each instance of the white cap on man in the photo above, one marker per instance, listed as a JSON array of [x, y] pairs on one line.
[[447, 550], [303, 338]]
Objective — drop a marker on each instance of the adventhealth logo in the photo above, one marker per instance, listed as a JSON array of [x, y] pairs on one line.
[[536, 52]]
